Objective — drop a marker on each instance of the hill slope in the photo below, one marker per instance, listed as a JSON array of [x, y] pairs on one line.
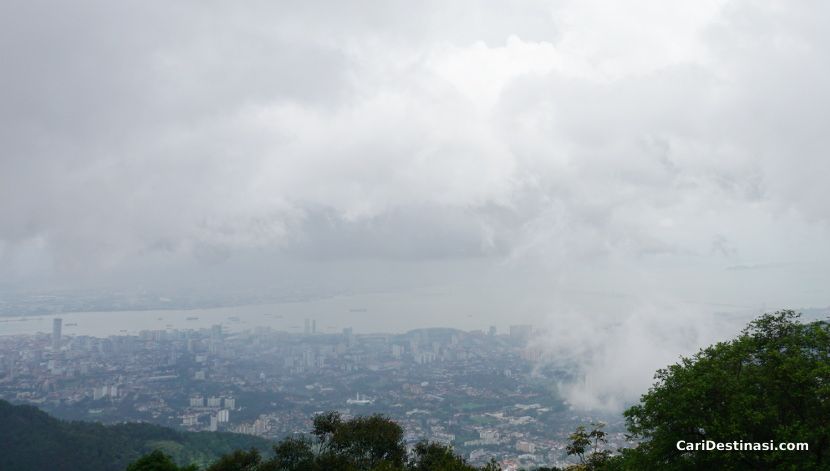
[[32, 440]]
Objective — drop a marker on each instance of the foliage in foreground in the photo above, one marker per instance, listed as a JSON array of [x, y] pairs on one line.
[[771, 384]]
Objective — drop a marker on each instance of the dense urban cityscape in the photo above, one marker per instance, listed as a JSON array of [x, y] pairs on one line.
[[484, 393]]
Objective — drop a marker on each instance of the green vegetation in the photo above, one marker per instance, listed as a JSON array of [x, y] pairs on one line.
[[587, 447], [31, 440], [158, 461], [771, 384]]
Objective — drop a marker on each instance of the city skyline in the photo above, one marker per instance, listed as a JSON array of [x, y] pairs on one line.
[[592, 189]]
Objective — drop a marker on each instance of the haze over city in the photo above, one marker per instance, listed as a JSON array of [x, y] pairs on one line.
[[636, 180]]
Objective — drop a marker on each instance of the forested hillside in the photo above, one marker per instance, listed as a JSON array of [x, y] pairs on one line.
[[31, 440]]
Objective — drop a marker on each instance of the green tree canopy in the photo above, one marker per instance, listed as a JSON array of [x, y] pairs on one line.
[[158, 461], [239, 460], [769, 385], [436, 457]]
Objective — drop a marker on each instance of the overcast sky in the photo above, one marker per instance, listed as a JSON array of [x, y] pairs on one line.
[[668, 157]]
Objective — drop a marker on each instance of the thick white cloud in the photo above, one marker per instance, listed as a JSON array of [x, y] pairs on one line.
[[670, 154]]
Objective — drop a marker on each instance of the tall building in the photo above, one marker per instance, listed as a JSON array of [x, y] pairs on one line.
[[216, 332], [56, 333], [260, 426], [348, 332], [521, 332], [307, 327], [106, 391], [216, 339]]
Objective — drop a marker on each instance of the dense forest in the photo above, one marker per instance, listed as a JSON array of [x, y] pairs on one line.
[[31, 440]]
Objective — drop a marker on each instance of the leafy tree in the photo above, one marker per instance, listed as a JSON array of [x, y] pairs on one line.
[[428, 456], [579, 443], [325, 426], [239, 460], [770, 385], [158, 461], [493, 465], [587, 447], [364, 441], [292, 454]]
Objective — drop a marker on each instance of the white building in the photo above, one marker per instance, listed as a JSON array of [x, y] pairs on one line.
[[109, 391], [359, 401], [525, 447], [489, 437]]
